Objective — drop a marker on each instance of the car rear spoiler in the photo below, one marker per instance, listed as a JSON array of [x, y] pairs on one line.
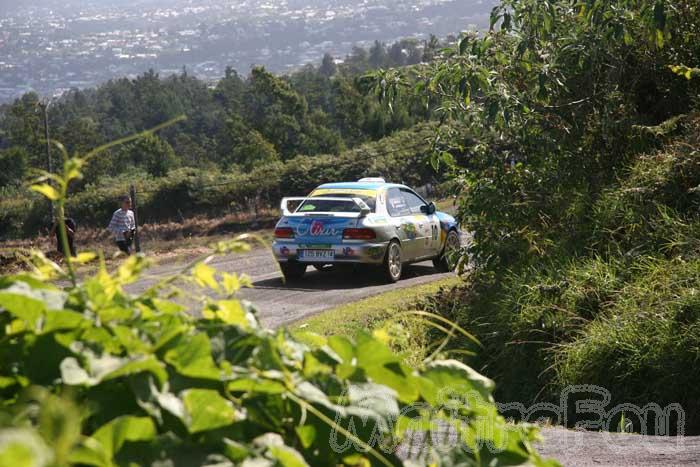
[[284, 205]]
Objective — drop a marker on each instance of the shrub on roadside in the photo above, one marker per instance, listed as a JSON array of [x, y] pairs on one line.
[[95, 376]]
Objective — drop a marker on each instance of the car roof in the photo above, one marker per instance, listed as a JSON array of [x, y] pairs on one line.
[[360, 185]]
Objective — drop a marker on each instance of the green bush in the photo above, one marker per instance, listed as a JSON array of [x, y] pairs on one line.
[[92, 375], [190, 191]]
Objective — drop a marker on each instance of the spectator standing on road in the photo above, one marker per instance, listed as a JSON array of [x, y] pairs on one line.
[[123, 225], [70, 230]]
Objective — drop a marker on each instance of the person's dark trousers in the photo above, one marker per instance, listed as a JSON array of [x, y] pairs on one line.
[[71, 244], [125, 246]]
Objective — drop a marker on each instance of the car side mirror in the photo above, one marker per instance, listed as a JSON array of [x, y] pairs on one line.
[[428, 209]]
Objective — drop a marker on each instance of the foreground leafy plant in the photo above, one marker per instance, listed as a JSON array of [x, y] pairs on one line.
[[93, 375]]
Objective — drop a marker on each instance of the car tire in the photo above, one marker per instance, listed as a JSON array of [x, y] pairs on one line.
[[392, 265], [446, 262], [292, 271]]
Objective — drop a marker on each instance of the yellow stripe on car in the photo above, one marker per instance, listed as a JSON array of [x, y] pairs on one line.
[[343, 191]]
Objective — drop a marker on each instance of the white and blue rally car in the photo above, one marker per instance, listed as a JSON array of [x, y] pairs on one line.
[[365, 222]]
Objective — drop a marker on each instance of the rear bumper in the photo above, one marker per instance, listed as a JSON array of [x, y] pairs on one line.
[[347, 252]]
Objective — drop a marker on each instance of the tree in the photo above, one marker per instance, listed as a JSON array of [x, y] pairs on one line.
[[327, 67], [13, 166], [253, 151], [397, 54], [430, 48], [356, 62], [24, 127], [229, 91], [151, 153], [378, 56]]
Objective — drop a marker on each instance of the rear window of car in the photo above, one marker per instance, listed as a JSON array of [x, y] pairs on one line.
[[322, 205]]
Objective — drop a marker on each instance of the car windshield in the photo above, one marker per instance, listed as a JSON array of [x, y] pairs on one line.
[[323, 205]]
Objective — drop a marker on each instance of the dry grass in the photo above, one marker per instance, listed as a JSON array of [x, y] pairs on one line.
[[167, 242]]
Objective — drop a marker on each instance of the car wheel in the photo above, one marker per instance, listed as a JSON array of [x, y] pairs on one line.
[[293, 271], [447, 261], [392, 266]]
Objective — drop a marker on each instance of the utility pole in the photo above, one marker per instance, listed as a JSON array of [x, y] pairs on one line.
[[134, 207], [45, 107]]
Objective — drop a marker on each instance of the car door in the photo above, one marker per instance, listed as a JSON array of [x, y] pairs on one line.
[[427, 225], [400, 215]]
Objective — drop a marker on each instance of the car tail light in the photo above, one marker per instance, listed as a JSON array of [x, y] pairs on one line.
[[284, 232], [359, 234]]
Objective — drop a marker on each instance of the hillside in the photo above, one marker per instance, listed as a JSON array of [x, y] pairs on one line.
[[579, 178], [242, 131]]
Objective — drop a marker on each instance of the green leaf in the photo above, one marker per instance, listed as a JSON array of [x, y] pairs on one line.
[[20, 447], [109, 367], [231, 283], [235, 451], [259, 385], [306, 434], [231, 312], [131, 269], [84, 257], [52, 298], [204, 275], [451, 376], [63, 319], [105, 443], [342, 347], [47, 190], [287, 457], [207, 410], [27, 309], [192, 357], [139, 365], [659, 38]]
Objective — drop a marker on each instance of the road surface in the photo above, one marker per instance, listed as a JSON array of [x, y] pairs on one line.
[[280, 304]]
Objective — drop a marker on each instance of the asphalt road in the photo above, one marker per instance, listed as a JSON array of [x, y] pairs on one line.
[[586, 448], [280, 304]]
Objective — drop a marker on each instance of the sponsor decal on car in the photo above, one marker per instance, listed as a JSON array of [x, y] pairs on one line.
[[375, 252], [320, 228], [410, 230], [377, 220]]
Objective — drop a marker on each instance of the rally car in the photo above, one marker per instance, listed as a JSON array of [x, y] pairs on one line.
[[365, 222]]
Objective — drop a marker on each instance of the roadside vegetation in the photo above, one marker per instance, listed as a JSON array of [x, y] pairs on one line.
[[188, 192], [580, 180], [387, 314]]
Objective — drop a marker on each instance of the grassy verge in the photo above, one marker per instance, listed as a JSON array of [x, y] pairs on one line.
[[408, 335]]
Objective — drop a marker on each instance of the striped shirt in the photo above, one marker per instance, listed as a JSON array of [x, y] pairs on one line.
[[122, 221]]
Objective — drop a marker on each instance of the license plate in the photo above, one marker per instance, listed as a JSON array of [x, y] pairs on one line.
[[316, 255]]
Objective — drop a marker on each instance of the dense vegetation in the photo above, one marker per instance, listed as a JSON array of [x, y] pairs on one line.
[[92, 375], [579, 179], [190, 191], [261, 123]]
